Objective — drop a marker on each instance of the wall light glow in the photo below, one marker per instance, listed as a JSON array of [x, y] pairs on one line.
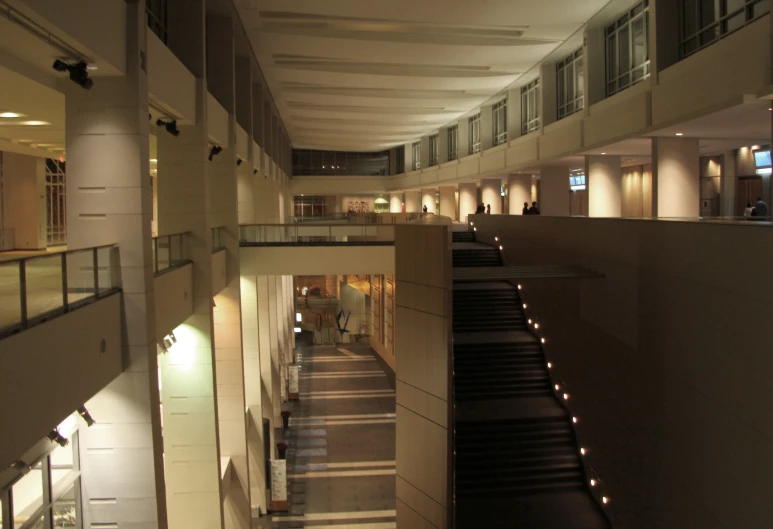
[[297, 329], [298, 317]]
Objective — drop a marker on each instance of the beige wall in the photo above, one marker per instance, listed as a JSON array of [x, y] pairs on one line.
[[676, 172], [422, 351], [24, 200], [300, 260], [492, 194], [666, 358], [468, 200], [66, 373]]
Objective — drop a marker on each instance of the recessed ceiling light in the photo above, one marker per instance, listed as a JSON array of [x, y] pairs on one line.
[[10, 115], [603, 153], [34, 123], [680, 134]]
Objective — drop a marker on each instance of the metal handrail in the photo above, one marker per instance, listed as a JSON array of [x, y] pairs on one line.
[[81, 282], [323, 233]]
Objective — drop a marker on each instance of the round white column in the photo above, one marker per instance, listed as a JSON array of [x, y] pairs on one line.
[[492, 194], [518, 192]]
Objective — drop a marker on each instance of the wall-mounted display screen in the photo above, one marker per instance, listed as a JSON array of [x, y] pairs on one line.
[[577, 182], [762, 158]]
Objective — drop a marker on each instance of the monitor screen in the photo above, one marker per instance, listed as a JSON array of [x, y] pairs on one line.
[[762, 158]]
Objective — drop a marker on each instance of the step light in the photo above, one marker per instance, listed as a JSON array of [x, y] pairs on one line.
[[496, 239], [536, 325], [593, 483], [550, 366], [543, 340], [557, 387], [566, 396], [604, 500], [582, 451], [574, 420]]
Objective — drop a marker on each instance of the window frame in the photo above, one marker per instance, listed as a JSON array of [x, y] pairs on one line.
[[530, 101], [416, 151], [50, 494], [621, 30], [571, 66], [453, 142], [473, 129], [718, 28], [499, 122]]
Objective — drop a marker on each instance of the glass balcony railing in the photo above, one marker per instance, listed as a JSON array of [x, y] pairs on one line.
[[170, 251], [218, 239], [35, 289], [316, 234]]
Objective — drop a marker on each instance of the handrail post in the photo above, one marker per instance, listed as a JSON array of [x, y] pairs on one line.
[[65, 304], [23, 292], [155, 264], [96, 272]]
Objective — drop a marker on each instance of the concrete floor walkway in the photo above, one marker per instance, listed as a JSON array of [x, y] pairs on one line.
[[341, 456]]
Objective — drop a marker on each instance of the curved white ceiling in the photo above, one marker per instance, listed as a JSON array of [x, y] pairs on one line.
[[366, 75]]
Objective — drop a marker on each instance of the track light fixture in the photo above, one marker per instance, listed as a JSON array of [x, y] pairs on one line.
[[78, 71], [55, 437], [84, 413], [239, 162], [18, 465], [214, 151], [170, 126], [168, 341]]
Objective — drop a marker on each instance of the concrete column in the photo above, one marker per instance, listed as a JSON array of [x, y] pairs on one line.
[[594, 62], [492, 194], [395, 202], [468, 200], [729, 182], [486, 130], [253, 391], [442, 146], [24, 200], [604, 174], [448, 201], [423, 339], [548, 94], [675, 177], [276, 371], [232, 435], [412, 202], [463, 139], [554, 191], [244, 117], [519, 192], [429, 199], [514, 113], [425, 152], [109, 201]]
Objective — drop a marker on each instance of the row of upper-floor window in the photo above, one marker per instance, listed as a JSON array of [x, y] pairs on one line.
[[627, 62]]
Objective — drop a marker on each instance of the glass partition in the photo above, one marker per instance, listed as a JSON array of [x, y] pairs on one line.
[[170, 251], [37, 288], [311, 234], [218, 242], [308, 162]]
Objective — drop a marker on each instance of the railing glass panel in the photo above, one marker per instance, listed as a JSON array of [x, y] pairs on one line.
[[37, 288], [170, 251]]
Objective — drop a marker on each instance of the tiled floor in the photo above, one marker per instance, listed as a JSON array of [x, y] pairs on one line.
[[341, 456]]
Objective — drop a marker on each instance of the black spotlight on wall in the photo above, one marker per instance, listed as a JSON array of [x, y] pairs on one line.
[[239, 162], [254, 171], [18, 465], [55, 437], [214, 151], [78, 71], [170, 126], [83, 412]]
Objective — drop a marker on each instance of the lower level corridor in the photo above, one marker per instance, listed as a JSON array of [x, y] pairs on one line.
[[341, 443]]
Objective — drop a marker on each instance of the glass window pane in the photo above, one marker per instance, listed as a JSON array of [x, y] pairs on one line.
[[27, 496], [623, 57], [580, 76], [639, 39], [65, 511]]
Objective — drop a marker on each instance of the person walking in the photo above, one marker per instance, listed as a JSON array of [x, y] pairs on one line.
[[534, 210], [749, 210], [760, 208], [525, 208]]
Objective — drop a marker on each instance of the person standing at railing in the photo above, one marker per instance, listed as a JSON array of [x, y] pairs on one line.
[[760, 208], [534, 210], [749, 211], [526, 209]]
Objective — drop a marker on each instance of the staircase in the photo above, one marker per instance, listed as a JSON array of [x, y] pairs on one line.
[[517, 461]]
